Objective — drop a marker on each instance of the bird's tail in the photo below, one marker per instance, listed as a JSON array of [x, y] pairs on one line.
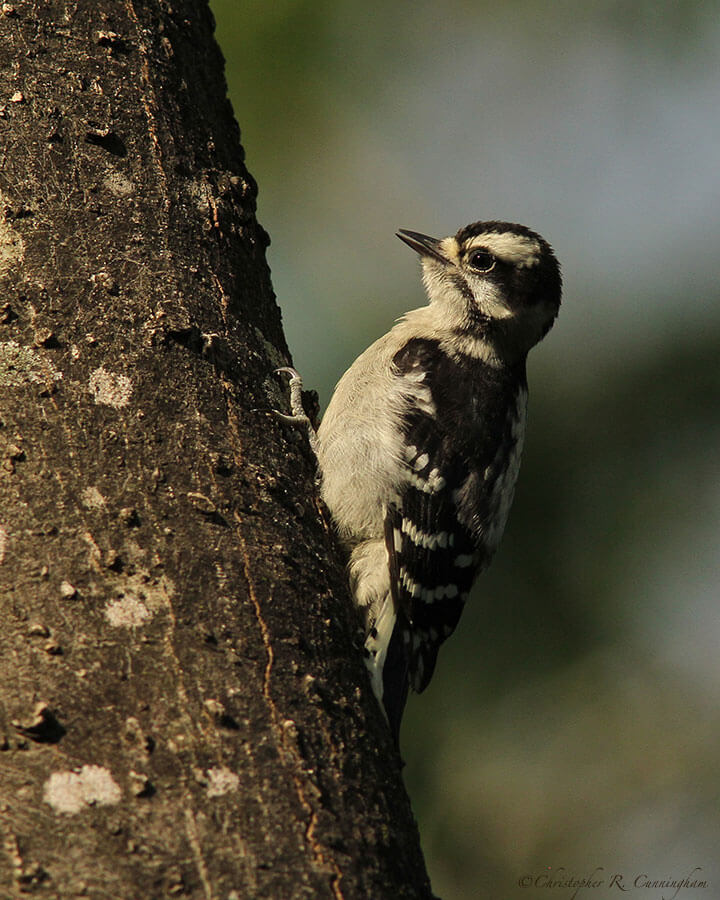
[[395, 675]]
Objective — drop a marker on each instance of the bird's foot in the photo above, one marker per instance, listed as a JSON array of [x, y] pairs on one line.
[[299, 417]]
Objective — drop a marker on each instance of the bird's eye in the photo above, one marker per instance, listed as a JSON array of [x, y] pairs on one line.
[[481, 260]]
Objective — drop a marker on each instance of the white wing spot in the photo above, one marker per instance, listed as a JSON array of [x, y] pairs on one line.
[[412, 587], [421, 462], [444, 591], [423, 538], [464, 560]]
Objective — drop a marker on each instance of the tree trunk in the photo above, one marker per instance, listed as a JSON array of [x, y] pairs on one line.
[[184, 710]]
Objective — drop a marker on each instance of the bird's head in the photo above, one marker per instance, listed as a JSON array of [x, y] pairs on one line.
[[496, 280]]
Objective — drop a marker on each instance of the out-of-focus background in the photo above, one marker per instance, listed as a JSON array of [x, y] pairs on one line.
[[573, 722]]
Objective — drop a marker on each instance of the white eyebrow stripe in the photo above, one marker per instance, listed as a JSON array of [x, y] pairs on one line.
[[513, 248]]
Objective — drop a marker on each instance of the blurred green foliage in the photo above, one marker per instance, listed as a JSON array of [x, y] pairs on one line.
[[571, 721]]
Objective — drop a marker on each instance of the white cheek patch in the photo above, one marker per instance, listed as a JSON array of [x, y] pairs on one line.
[[516, 249], [441, 289], [487, 300], [433, 276]]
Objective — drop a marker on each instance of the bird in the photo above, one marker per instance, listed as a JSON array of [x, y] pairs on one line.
[[419, 448]]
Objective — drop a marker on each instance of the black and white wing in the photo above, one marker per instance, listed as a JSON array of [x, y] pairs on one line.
[[432, 553]]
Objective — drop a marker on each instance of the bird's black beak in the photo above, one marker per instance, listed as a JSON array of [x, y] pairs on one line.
[[422, 244]]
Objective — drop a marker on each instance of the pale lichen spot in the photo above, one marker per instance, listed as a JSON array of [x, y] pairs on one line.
[[127, 612], [12, 247], [92, 498], [3, 543], [139, 597], [20, 365], [71, 792], [119, 185], [221, 781], [200, 195], [110, 388]]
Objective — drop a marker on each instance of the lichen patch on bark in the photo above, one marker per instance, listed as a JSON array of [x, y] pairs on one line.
[[71, 792], [12, 246], [92, 498], [128, 612], [221, 781], [119, 185], [21, 365], [110, 388], [142, 597]]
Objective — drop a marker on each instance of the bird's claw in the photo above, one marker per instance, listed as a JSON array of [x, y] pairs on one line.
[[299, 416]]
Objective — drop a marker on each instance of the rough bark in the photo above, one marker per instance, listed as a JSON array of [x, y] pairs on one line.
[[183, 705]]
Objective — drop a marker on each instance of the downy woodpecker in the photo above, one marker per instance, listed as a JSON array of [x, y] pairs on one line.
[[420, 446]]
